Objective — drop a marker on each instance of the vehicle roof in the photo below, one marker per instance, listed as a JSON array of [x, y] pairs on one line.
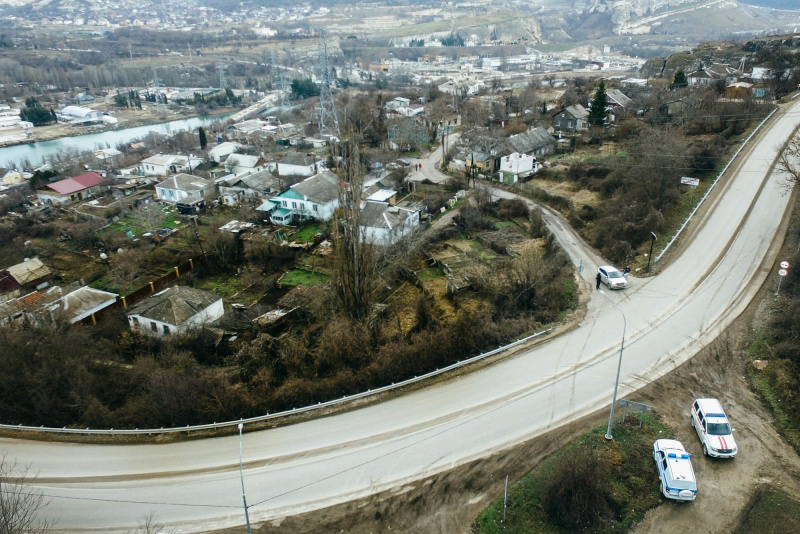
[[711, 407], [608, 268], [679, 463], [669, 444]]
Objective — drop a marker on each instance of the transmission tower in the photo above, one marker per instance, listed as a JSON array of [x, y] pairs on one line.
[[279, 81], [328, 123], [223, 83]]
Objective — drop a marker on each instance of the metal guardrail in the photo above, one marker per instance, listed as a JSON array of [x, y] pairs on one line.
[[267, 417], [700, 202]]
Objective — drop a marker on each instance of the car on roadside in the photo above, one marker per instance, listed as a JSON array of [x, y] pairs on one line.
[[674, 466], [404, 162], [713, 428], [612, 277]]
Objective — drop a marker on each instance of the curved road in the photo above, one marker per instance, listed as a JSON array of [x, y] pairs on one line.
[[194, 486]]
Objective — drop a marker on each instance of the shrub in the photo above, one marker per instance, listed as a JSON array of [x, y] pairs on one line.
[[578, 494]]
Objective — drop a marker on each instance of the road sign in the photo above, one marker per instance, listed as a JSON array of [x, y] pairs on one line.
[[636, 405], [691, 182], [783, 272], [784, 265]]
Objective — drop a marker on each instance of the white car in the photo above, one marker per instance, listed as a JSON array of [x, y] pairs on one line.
[[713, 428], [612, 277], [674, 467]]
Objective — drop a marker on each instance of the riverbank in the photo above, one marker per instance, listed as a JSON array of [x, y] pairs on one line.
[[127, 118]]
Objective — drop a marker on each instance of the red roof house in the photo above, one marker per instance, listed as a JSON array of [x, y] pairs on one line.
[[72, 189]]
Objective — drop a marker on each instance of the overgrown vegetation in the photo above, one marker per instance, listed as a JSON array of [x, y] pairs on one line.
[[778, 344], [107, 376], [772, 512], [590, 485]]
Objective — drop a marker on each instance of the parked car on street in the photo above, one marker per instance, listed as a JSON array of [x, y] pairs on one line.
[[713, 428], [674, 467], [612, 277]]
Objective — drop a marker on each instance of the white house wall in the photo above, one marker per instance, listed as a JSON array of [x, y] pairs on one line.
[[208, 315]]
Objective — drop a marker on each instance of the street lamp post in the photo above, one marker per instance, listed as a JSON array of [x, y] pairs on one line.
[[241, 476], [619, 368]]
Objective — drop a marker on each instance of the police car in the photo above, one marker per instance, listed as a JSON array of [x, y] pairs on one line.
[[674, 467]]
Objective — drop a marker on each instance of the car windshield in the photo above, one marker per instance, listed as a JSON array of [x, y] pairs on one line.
[[614, 274], [719, 429]]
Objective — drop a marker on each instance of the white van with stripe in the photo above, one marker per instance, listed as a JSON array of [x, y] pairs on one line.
[[713, 428]]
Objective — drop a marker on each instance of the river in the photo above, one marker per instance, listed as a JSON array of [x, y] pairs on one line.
[[35, 153]]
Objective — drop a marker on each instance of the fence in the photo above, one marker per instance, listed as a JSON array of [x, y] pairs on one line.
[[700, 202], [267, 417], [143, 292]]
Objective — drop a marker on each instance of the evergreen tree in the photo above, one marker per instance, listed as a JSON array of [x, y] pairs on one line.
[[598, 108], [201, 134], [679, 80]]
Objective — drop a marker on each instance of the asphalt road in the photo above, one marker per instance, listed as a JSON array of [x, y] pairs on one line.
[[194, 486]]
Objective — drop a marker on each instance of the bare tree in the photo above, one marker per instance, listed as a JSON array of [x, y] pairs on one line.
[[354, 270], [150, 216], [149, 525], [20, 504], [789, 160]]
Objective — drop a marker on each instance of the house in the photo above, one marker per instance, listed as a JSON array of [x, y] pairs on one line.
[[618, 99], [739, 90], [385, 225], [534, 142], [708, 75], [316, 197], [21, 310], [480, 161], [222, 151], [29, 274], [251, 188], [164, 164], [243, 164], [761, 73], [83, 99], [186, 189], [571, 119], [313, 142], [175, 309], [69, 190], [515, 166], [11, 177], [247, 128], [80, 304], [297, 164]]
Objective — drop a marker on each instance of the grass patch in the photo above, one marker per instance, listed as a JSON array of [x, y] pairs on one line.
[[306, 235], [627, 471], [300, 277], [504, 224], [427, 275], [774, 384], [773, 512]]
